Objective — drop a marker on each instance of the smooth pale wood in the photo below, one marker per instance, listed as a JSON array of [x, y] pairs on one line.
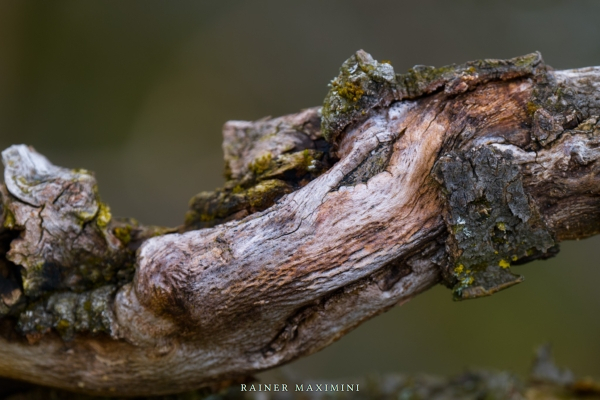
[[219, 303]]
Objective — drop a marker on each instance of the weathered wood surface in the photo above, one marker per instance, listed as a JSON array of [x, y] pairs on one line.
[[439, 175], [546, 382]]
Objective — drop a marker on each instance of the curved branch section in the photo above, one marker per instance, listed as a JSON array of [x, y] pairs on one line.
[[388, 211]]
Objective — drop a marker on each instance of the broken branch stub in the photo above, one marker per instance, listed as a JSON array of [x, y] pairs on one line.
[[446, 174]]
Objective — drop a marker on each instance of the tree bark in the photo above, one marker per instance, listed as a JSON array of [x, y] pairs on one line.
[[329, 217]]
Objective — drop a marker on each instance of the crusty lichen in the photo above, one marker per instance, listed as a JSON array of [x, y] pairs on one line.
[[492, 221], [265, 193], [364, 84], [352, 91], [261, 164], [556, 107], [68, 313], [104, 216]]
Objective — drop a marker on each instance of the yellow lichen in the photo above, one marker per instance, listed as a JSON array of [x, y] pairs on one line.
[[266, 192], [123, 233], [503, 263], [103, 217], [501, 226], [237, 189], [62, 324], [532, 107], [307, 159], [9, 220], [459, 269], [350, 90], [261, 164]]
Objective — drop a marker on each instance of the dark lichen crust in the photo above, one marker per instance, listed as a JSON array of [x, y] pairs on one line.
[[556, 107], [491, 220], [364, 84], [68, 313]]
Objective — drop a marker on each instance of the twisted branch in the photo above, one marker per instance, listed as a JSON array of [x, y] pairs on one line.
[[329, 217]]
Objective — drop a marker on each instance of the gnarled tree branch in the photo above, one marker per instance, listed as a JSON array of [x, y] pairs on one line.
[[329, 217]]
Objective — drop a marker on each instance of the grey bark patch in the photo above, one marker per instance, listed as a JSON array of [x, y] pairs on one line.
[[491, 220], [374, 164], [546, 127]]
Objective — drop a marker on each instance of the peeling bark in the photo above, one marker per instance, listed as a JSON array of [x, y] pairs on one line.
[[445, 175]]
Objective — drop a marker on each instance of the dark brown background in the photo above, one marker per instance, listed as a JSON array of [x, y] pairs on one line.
[[137, 91]]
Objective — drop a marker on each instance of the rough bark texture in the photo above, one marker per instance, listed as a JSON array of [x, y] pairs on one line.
[[320, 227]]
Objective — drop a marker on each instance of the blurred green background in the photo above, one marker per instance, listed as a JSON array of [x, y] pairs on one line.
[[137, 91]]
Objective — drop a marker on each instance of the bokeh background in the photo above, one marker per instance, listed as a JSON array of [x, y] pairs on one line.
[[137, 91]]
